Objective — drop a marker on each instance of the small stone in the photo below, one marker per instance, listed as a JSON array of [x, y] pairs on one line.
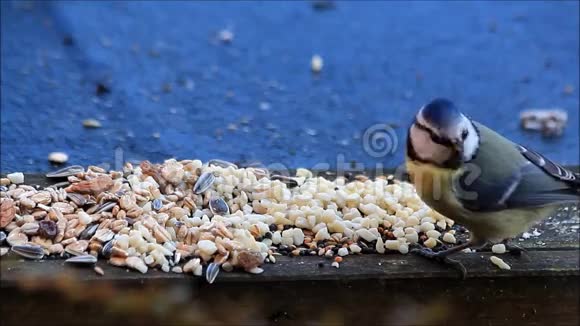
[[177, 270], [499, 263], [335, 264], [4, 182], [342, 252], [58, 157], [92, 123], [498, 248], [16, 177], [338, 259]]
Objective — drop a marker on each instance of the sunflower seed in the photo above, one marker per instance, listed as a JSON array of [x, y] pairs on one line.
[[29, 251], [88, 232], [219, 207], [212, 272], [290, 182], [60, 185], [104, 207], [65, 172], [221, 163], [107, 249], [204, 182], [82, 260], [157, 204], [104, 235], [78, 199]]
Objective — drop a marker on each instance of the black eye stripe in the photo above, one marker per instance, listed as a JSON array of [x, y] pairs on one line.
[[434, 137]]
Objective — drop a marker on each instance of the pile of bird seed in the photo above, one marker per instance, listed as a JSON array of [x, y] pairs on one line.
[[182, 215]]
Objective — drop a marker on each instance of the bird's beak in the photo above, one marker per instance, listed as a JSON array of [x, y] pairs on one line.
[[458, 146]]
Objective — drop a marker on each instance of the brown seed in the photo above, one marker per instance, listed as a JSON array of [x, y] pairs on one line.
[[7, 212], [42, 197], [93, 186]]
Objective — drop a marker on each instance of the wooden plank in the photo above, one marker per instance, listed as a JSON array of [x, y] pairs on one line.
[[478, 301], [314, 268]]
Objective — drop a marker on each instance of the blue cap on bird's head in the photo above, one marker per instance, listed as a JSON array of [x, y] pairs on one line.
[[441, 113]]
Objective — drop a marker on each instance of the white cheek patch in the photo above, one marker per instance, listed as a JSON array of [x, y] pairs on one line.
[[471, 143], [426, 149]]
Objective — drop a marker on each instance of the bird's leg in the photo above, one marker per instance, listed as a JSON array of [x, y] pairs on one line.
[[513, 249], [442, 256]]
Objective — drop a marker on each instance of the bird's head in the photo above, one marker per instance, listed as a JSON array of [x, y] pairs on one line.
[[442, 135]]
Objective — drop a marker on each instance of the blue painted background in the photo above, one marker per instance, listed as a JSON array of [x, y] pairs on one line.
[[168, 74]]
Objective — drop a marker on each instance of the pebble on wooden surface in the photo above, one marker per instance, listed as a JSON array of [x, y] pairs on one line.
[[343, 252], [499, 263], [498, 248], [58, 157], [335, 264]]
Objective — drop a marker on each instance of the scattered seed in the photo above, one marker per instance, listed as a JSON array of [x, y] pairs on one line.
[[66, 172], [29, 251], [221, 163], [212, 272], [91, 123], [218, 206], [82, 260], [58, 157], [499, 263], [204, 182], [498, 248], [99, 271], [316, 63]]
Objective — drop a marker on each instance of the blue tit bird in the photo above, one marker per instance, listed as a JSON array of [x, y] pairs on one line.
[[475, 176]]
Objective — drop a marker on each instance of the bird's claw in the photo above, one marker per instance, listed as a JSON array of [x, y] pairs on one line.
[[442, 258], [515, 249]]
